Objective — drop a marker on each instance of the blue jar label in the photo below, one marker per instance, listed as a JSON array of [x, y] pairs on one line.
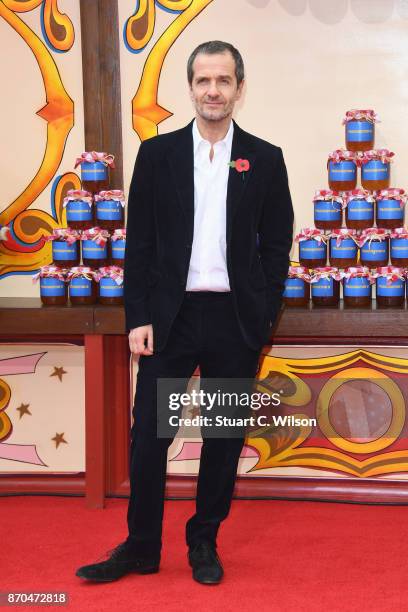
[[346, 250], [91, 250], [80, 287], [359, 131], [374, 251], [342, 171], [399, 248], [118, 249], [323, 288], [51, 287], [294, 287], [94, 171], [63, 250], [356, 287], [108, 288], [311, 249], [360, 210], [375, 170], [394, 289], [389, 209], [109, 210], [327, 211], [77, 210]]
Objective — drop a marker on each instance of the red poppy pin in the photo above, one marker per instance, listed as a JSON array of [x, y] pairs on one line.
[[240, 165]]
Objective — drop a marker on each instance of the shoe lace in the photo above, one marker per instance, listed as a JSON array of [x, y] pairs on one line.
[[203, 552], [113, 552]]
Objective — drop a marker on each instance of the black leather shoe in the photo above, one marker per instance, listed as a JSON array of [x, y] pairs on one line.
[[206, 564], [121, 561]]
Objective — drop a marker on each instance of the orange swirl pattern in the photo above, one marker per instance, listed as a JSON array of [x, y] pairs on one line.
[[147, 114], [25, 250], [6, 426], [283, 446], [58, 27]]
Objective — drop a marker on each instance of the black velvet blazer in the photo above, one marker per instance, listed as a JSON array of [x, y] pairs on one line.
[[160, 233]]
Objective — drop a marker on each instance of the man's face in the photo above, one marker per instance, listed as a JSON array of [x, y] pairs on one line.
[[214, 89]]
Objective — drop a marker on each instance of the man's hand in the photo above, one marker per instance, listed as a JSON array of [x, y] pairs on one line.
[[141, 340]]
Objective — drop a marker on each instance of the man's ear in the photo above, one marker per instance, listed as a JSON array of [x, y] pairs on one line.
[[240, 89]]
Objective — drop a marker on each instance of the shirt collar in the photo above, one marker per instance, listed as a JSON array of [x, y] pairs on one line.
[[198, 139]]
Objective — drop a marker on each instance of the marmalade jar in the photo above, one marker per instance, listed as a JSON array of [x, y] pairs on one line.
[[297, 288], [95, 167], [342, 168], [312, 248], [82, 286], [357, 283], [374, 247], [325, 287], [94, 247], [53, 286], [78, 206], [359, 129], [375, 169], [390, 208], [117, 246], [343, 249], [399, 247], [110, 286], [328, 209], [109, 209], [65, 247], [390, 287], [359, 209]]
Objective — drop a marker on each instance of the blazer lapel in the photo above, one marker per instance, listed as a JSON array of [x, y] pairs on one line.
[[238, 181], [181, 161]]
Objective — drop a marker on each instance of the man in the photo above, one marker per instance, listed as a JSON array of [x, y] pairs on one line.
[[206, 259]]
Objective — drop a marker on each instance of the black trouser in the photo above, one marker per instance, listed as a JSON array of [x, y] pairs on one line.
[[205, 334]]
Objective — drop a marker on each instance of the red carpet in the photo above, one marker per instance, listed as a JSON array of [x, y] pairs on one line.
[[277, 555]]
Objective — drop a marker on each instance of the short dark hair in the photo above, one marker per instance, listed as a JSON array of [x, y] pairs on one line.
[[211, 48]]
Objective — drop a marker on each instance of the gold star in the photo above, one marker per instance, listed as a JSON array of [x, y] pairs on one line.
[[23, 409], [58, 372], [59, 439]]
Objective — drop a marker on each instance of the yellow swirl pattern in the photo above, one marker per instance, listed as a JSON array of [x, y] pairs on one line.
[[6, 426], [31, 225], [58, 26], [281, 446], [147, 114]]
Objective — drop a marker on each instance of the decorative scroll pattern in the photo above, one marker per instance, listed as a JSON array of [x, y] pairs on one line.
[[25, 249], [325, 448], [147, 113]]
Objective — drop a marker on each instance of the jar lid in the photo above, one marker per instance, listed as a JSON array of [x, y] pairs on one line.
[[311, 233], [77, 195], [118, 234], [97, 234], [342, 233], [85, 271], [393, 193], [399, 232], [299, 272], [361, 115], [325, 272], [373, 233], [383, 155], [358, 194], [64, 233], [358, 272], [342, 155], [95, 156], [50, 272], [112, 194], [113, 272], [392, 273]]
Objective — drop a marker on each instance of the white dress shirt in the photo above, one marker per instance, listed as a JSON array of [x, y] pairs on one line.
[[208, 263]]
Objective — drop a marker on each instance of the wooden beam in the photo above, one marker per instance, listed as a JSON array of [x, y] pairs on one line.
[[101, 81]]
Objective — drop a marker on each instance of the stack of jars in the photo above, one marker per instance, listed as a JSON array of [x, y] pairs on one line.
[[88, 255], [358, 238]]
